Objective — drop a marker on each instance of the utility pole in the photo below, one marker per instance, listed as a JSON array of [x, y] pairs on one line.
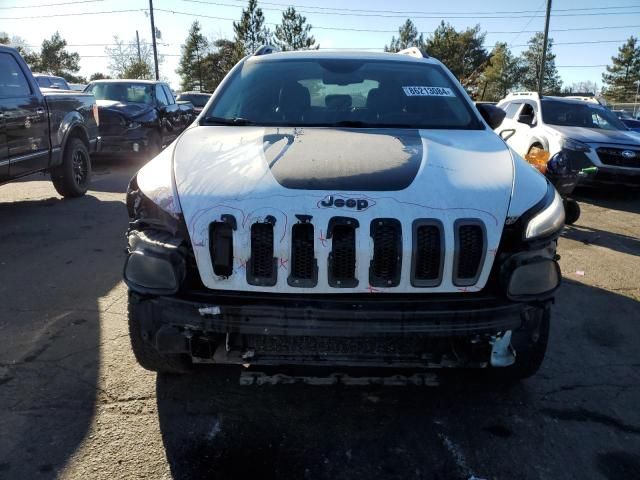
[[153, 37], [544, 48], [138, 42]]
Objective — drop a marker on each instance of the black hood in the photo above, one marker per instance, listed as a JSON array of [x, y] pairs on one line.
[[343, 159], [127, 110]]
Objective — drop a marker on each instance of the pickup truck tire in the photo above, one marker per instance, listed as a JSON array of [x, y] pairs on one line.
[[144, 351], [72, 178], [530, 346]]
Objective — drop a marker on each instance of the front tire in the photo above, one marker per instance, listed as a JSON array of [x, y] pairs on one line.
[[72, 178], [530, 344], [141, 342], [571, 211]]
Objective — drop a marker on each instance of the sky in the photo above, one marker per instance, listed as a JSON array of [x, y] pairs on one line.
[[597, 28]]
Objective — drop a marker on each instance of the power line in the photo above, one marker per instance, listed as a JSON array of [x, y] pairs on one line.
[[422, 14], [76, 14], [51, 4]]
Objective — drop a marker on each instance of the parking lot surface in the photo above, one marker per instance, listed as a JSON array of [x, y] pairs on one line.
[[75, 405]]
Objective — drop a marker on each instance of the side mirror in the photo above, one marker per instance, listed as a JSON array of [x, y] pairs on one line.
[[491, 114], [507, 134], [526, 119]]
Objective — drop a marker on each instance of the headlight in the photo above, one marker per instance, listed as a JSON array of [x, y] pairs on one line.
[[155, 181], [571, 144], [549, 220]]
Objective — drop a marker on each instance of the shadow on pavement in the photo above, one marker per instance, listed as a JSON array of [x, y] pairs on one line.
[[214, 428], [625, 199], [56, 262], [112, 174], [594, 236]]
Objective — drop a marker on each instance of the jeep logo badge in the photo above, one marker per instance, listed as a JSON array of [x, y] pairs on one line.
[[628, 154], [353, 203]]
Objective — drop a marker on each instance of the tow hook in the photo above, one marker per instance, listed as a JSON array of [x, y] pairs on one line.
[[502, 352]]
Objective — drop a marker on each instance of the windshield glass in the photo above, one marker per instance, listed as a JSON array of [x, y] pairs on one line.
[[343, 92], [573, 114], [198, 100], [122, 92]]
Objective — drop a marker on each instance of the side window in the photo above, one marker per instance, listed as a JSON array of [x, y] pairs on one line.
[[528, 109], [44, 82], [169, 95], [13, 83], [161, 96], [512, 109]]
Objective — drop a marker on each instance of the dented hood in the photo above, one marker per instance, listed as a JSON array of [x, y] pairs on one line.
[[286, 173]]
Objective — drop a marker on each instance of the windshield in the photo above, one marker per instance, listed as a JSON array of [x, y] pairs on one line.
[[574, 114], [343, 92], [122, 92], [198, 100]]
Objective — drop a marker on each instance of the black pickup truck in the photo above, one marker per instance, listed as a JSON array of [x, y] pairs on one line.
[[138, 116], [44, 130]]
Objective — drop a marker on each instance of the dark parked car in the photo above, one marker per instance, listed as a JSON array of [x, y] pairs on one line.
[[49, 130], [198, 99], [138, 116], [629, 122], [51, 81]]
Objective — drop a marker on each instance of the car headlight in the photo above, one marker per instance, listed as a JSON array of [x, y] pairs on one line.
[[576, 145], [549, 220], [155, 182]]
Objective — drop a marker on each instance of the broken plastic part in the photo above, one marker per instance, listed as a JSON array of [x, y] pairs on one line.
[[502, 353]]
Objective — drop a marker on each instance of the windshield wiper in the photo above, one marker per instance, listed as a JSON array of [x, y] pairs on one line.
[[360, 124], [237, 121]]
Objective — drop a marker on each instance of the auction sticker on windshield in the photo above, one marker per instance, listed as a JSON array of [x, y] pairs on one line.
[[428, 92]]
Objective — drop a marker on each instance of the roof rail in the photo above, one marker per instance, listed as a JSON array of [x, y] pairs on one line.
[[414, 52], [265, 50]]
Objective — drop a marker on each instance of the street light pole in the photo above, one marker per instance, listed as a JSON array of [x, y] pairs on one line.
[[635, 103], [544, 48]]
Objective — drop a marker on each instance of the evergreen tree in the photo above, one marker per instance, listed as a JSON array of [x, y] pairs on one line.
[[501, 74], [55, 59], [461, 51], [250, 32], [192, 69], [408, 36], [531, 59], [98, 76], [620, 77], [218, 63], [293, 33], [139, 70]]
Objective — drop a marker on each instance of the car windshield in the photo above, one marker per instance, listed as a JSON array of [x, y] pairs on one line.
[[574, 114], [198, 100], [342, 92], [122, 92]]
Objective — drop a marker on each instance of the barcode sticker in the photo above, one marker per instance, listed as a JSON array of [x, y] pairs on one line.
[[428, 92]]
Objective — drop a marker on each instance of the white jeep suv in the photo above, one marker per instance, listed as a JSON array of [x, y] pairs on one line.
[[583, 133], [342, 209]]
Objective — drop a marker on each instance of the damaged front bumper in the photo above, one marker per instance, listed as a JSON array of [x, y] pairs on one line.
[[407, 331]]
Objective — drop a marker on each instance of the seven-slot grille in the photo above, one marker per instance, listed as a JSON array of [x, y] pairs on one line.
[[615, 156], [385, 267]]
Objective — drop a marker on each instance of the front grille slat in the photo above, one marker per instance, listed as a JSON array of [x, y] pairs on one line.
[[221, 248], [386, 263], [261, 268], [304, 267], [428, 253], [470, 251], [614, 156], [342, 259]]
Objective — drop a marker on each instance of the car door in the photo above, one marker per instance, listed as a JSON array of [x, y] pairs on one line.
[[25, 119], [4, 149], [169, 118]]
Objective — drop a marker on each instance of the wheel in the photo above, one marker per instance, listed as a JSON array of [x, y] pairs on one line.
[[154, 145], [530, 345], [144, 351], [571, 211], [72, 178]]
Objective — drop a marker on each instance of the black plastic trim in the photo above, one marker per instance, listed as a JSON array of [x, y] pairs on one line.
[[374, 280], [414, 255], [467, 282]]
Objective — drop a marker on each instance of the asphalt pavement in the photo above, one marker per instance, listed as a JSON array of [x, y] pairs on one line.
[[75, 405]]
